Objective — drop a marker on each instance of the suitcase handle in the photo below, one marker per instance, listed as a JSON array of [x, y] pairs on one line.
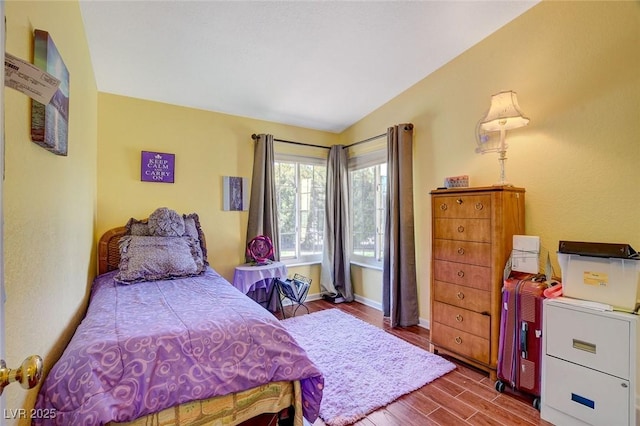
[[524, 329], [553, 291]]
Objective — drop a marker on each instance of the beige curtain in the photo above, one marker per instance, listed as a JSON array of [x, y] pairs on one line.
[[399, 284], [263, 211]]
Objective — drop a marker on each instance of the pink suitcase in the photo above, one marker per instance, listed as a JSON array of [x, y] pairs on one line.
[[520, 344]]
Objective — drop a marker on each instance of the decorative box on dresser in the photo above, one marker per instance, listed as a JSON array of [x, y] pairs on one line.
[[472, 232]]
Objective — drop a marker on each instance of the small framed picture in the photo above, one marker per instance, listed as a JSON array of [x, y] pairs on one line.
[[157, 167], [50, 123], [235, 193]]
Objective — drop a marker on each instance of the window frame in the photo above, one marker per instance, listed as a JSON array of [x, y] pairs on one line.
[[358, 162], [301, 259]]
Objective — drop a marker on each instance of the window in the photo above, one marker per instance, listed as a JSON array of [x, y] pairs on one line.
[[368, 180], [300, 189]]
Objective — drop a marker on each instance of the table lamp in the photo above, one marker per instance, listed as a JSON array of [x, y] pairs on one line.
[[504, 114]]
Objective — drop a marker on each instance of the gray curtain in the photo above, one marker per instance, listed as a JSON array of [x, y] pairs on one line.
[[263, 211], [399, 284], [335, 275]]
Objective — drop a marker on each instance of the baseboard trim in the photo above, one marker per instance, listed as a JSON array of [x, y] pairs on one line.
[[368, 302], [376, 305], [314, 296], [424, 323]]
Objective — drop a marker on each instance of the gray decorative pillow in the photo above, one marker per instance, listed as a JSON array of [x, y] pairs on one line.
[[164, 222], [144, 258], [193, 230], [137, 227]]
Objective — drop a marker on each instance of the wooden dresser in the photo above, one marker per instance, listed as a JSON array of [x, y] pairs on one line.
[[472, 232]]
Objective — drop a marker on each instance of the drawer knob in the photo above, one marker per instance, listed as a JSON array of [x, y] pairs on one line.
[[460, 228], [459, 318], [479, 206], [459, 201], [460, 295], [458, 340], [461, 274], [443, 206], [460, 251]]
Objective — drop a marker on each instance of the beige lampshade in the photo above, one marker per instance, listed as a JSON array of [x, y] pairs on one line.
[[504, 113]]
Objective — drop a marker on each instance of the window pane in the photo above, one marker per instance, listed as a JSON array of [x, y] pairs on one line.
[[363, 207], [312, 199], [368, 212], [300, 190], [287, 245], [285, 177], [381, 210]]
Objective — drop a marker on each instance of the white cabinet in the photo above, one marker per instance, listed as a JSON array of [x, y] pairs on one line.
[[589, 372]]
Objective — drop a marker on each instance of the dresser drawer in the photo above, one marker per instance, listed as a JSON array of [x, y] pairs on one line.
[[463, 229], [470, 206], [461, 273], [591, 396], [592, 340], [460, 342], [462, 297], [462, 319], [462, 252]]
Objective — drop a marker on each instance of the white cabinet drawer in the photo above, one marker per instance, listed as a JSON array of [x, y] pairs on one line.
[[593, 397], [588, 339]]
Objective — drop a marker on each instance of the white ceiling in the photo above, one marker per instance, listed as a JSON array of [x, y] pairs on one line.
[[315, 64]]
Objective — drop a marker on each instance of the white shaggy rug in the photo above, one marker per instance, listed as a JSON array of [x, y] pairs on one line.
[[364, 367]]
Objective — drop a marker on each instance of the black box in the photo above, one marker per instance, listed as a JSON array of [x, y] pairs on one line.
[[620, 251]]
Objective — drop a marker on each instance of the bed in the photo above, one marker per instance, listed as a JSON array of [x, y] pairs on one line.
[[186, 350]]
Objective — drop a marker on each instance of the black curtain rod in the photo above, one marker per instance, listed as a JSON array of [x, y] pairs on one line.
[[254, 137], [372, 138], [381, 135], [302, 143]]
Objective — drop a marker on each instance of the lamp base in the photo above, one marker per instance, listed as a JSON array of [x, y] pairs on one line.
[[501, 159]]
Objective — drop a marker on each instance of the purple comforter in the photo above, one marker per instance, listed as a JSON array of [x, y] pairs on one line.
[[148, 346]]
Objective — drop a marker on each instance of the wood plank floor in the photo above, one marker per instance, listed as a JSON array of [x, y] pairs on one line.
[[465, 396]]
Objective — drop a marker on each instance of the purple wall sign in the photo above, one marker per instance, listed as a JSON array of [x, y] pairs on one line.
[[157, 167]]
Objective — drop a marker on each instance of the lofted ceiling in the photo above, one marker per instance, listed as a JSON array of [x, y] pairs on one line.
[[316, 64]]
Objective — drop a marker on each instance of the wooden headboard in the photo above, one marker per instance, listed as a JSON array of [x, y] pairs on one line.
[[109, 249]]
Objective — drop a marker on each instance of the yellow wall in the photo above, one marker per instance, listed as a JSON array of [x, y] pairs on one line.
[[49, 200], [575, 68], [207, 146]]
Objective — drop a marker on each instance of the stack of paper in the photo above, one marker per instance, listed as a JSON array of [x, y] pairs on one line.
[[526, 254]]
